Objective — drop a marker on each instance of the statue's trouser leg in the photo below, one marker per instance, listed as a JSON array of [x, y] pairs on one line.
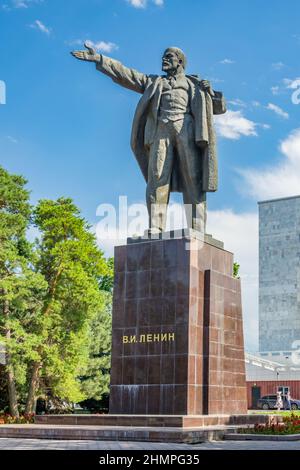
[[189, 156], [159, 177], [196, 212]]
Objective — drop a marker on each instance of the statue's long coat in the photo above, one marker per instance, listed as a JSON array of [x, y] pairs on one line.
[[203, 106]]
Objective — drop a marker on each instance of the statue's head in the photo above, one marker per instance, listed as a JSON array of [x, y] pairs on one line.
[[173, 60]]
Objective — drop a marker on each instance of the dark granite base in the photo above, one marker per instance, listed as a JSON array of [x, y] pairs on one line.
[[177, 234], [92, 433], [154, 421], [180, 429], [177, 337]]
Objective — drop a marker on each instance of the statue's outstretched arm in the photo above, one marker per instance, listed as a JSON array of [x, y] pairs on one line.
[[128, 78]]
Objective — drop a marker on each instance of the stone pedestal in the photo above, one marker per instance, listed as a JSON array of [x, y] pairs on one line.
[[177, 344]]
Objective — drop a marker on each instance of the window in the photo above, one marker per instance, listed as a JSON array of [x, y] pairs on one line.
[[284, 390]]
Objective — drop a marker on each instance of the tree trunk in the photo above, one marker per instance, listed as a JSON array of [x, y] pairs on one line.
[[36, 367], [33, 386], [11, 384]]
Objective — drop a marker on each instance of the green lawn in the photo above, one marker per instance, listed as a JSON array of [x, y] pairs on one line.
[[274, 412]]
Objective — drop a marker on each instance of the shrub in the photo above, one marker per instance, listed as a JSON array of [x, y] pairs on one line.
[[289, 425], [6, 418]]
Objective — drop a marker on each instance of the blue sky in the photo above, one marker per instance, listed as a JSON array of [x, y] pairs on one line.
[[66, 127]]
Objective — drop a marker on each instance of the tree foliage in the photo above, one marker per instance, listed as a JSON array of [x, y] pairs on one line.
[[55, 299], [17, 279], [95, 377], [236, 270]]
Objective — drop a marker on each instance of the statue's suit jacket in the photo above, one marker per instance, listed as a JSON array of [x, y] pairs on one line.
[[203, 106]]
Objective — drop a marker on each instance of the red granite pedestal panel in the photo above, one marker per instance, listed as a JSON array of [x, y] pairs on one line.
[[177, 345]]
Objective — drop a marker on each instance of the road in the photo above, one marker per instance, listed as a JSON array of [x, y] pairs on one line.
[[41, 444]]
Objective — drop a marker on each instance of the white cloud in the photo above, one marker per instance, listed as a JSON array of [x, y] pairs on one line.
[[138, 3], [20, 4], [75, 42], [233, 125], [238, 102], [216, 80], [278, 65], [264, 126], [275, 90], [25, 3], [227, 61], [240, 235], [291, 84], [286, 84], [144, 3], [297, 37], [41, 27], [279, 180], [277, 110], [103, 46], [12, 139]]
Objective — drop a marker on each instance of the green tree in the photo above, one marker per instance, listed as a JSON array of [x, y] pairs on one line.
[[14, 253], [72, 265], [106, 282], [96, 376], [55, 298], [236, 270]]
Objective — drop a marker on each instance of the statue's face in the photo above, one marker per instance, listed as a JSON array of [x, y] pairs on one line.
[[170, 61]]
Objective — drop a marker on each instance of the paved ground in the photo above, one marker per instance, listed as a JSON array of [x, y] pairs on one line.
[[41, 444]]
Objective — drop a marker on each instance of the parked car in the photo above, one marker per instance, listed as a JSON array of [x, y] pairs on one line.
[[268, 402]]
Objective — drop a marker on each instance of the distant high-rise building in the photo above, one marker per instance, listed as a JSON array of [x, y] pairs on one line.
[[279, 274]]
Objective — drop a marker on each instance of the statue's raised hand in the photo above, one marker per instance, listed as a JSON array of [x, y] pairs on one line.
[[89, 55]]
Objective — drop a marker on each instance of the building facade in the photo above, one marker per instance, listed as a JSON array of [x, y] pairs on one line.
[[279, 274], [266, 376]]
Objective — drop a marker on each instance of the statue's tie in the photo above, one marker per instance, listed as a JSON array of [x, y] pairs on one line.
[[172, 81]]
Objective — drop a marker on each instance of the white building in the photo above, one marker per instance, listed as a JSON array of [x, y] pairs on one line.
[[279, 275], [265, 375]]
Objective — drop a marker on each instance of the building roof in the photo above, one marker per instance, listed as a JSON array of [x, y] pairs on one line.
[[278, 199], [261, 362], [259, 368]]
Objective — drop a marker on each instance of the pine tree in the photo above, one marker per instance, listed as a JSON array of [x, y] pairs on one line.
[[55, 300], [72, 264], [15, 277]]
